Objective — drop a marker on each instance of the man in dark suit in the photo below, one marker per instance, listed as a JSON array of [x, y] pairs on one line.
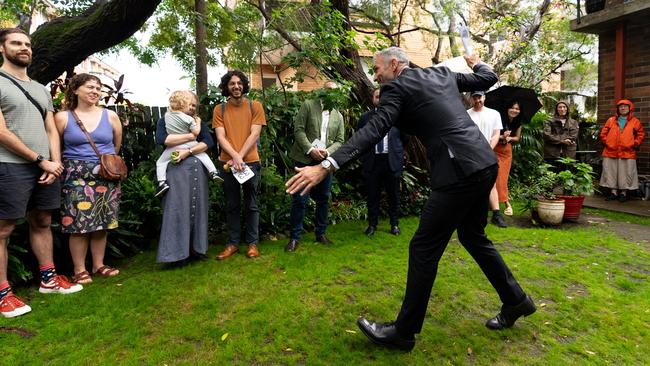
[[382, 166], [425, 103]]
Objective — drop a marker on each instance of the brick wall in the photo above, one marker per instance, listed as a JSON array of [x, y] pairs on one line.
[[637, 80]]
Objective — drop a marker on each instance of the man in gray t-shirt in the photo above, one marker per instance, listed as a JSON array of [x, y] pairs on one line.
[[30, 164]]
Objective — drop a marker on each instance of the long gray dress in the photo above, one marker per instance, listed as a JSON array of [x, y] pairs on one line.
[[185, 212], [185, 205]]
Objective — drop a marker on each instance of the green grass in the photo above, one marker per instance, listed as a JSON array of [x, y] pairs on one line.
[[619, 216], [591, 288]]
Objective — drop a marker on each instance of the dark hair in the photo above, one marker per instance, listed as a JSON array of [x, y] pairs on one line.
[[226, 79], [566, 104], [4, 32], [71, 99], [516, 122]]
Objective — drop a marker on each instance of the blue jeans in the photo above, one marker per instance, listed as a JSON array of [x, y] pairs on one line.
[[321, 194]]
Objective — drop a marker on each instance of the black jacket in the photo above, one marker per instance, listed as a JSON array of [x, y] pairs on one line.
[[396, 142], [426, 103]]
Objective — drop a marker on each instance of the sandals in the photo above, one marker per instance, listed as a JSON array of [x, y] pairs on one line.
[[508, 211], [82, 278], [106, 271]]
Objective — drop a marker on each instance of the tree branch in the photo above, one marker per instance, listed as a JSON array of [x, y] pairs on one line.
[[524, 39], [64, 42]]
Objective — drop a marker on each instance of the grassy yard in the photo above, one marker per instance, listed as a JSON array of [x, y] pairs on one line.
[[591, 288]]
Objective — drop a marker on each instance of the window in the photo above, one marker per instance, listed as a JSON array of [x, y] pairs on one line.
[[268, 81]]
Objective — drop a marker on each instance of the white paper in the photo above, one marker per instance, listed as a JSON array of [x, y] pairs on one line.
[[467, 43], [243, 175], [318, 144], [456, 64]]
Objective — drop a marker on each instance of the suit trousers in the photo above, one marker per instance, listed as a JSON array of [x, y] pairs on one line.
[[381, 176], [462, 206], [320, 193]]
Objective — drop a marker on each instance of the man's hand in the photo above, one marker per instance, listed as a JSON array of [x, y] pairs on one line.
[[306, 179], [236, 162], [318, 155], [47, 178], [567, 142], [51, 167], [472, 60]]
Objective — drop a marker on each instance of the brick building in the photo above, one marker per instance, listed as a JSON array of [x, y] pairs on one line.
[[624, 61]]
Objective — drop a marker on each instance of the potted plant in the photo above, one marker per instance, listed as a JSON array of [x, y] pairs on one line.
[[541, 199], [576, 181]]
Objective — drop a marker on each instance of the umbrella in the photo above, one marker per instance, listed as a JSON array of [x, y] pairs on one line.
[[499, 99]]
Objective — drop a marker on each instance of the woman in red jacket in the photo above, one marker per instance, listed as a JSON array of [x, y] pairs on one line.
[[622, 136]]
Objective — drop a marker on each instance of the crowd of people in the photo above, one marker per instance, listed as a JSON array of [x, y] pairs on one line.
[[51, 162]]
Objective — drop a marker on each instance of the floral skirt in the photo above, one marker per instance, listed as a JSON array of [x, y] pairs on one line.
[[88, 203]]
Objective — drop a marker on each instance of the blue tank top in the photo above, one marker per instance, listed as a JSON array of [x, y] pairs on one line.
[[75, 142]]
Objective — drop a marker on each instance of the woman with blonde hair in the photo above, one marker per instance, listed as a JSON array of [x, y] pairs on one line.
[[90, 204]]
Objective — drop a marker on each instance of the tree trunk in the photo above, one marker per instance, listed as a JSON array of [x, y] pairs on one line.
[[201, 36], [64, 42], [362, 86]]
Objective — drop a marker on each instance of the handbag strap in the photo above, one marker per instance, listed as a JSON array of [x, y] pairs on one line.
[[41, 110], [83, 128]]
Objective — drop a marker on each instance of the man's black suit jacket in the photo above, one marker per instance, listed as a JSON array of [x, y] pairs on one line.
[[426, 103], [396, 141]]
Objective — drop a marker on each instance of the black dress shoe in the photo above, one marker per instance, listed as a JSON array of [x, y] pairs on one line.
[[370, 230], [509, 314], [323, 239], [385, 335], [498, 220], [395, 230], [198, 256], [292, 245]]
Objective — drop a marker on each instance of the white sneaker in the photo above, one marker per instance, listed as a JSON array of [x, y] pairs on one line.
[[59, 285], [12, 306]]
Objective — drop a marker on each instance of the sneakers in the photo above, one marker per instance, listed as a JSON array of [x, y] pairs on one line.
[[622, 198], [59, 285], [162, 188], [12, 306], [498, 220], [611, 197], [216, 177]]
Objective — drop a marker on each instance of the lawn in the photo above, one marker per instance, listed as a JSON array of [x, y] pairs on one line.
[[591, 288]]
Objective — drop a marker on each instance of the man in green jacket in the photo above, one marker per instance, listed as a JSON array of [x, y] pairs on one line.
[[318, 132]]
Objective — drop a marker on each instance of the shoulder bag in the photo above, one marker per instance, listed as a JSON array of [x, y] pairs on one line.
[[111, 166], [41, 110]]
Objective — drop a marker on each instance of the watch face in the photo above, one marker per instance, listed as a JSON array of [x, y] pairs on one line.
[[326, 164]]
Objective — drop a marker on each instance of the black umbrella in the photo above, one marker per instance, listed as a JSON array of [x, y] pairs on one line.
[[499, 99]]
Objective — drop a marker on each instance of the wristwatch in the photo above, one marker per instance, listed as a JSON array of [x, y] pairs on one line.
[[326, 164], [39, 158], [190, 149]]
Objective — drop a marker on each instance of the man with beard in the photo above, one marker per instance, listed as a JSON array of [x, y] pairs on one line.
[[424, 102], [30, 164], [488, 121], [238, 123]]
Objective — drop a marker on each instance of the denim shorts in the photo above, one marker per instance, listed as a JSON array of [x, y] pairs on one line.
[[20, 191]]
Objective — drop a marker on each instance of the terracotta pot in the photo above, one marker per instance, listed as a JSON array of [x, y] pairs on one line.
[[550, 212], [572, 206]]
